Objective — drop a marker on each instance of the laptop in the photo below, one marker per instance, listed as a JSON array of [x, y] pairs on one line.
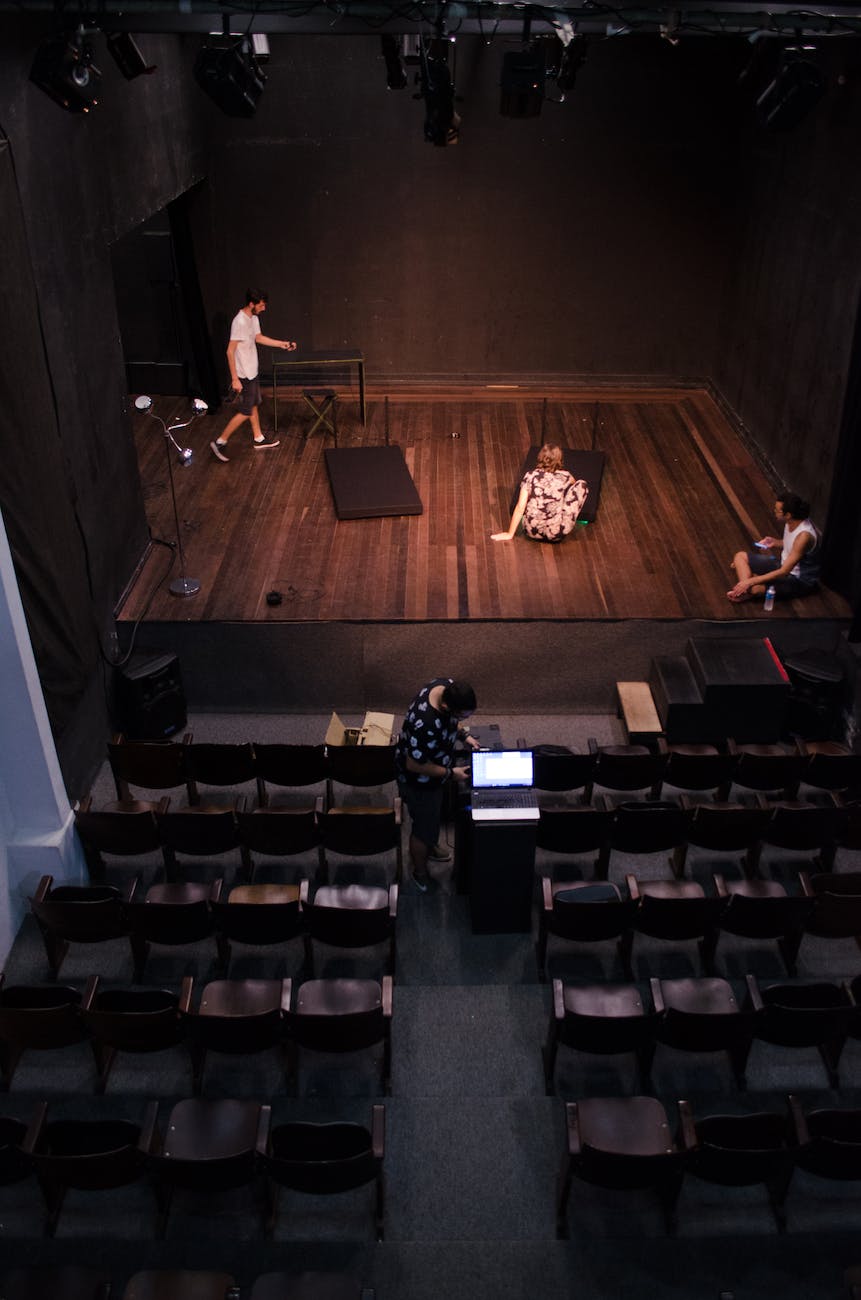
[[502, 784]]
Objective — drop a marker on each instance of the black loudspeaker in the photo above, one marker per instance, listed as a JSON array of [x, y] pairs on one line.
[[743, 686], [149, 696], [817, 697]]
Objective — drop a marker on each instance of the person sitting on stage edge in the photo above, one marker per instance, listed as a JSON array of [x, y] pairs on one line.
[[243, 362], [796, 573], [424, 760], [550, 500]]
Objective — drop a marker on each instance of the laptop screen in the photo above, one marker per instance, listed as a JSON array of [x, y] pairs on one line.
[[494, 769]]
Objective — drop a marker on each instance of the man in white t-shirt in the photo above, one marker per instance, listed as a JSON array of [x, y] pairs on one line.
[[242, 360]]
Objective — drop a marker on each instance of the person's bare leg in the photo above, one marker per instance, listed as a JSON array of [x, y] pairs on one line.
[[254, 417], [230, 428], [741, 564]]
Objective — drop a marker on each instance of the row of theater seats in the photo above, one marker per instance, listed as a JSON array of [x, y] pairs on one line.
[[630, 1143], [625, 1143], [189, 765], [702, 1015], [344, 916], [203, 832], [177, 1284], [655, 826], [827, 905], [208, 1146], [233, 1017], [824, 765]]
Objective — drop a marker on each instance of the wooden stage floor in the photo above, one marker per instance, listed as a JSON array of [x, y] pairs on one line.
[[680, 494]]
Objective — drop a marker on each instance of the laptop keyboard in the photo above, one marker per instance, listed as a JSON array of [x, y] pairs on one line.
[[503, 798]]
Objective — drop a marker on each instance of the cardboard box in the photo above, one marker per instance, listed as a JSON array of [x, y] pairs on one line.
[[376, 729]]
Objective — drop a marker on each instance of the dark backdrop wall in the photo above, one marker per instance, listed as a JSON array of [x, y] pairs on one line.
[[594, 240], [69, 486], [646, 228], [785, 339]]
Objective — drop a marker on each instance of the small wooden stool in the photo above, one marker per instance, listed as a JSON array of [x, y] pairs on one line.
[[638, 712], [322, 401]]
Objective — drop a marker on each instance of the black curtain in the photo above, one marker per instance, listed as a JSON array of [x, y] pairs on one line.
[[36, 489], [841, 548], [202, 370]]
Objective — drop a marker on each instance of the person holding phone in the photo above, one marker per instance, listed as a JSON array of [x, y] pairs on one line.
[[796, 571]]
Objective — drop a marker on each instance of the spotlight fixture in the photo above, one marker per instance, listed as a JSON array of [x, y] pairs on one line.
[[230, 73], [64, 69], [126, 55], [796, 88], [571, 60], [436, 88], [181, 586], [396, 73], [260, 46]]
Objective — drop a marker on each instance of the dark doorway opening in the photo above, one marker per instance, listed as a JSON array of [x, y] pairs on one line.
[[165, 342]]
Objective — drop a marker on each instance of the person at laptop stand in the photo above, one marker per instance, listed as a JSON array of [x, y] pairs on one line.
[[424, 761]]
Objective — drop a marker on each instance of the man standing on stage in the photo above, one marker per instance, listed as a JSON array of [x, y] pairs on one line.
[[423, 762], [243, 362]]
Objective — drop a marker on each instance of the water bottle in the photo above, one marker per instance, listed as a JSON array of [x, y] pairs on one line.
[[768, 603]]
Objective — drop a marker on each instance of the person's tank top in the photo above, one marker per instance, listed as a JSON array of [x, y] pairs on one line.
[[807, 569]]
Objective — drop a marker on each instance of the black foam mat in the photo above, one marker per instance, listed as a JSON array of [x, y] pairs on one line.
[[369, 482], [582, 464]]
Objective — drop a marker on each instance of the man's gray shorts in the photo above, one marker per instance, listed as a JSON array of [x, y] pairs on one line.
[[249, 397]]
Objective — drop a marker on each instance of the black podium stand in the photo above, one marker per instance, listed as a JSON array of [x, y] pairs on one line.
[[501, 875]]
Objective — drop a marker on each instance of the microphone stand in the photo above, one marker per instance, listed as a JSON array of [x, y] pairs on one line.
[[183, 585]]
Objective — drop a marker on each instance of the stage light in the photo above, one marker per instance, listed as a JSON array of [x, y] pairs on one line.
[[570, 62], [64, 69], [442, 123], [127, 56], [230, 73], [396, 73], [796, 88], [181, 586]]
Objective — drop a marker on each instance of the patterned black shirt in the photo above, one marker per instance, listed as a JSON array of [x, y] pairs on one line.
[[428, 735]]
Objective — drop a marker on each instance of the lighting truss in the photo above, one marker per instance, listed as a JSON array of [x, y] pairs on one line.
[[485, 17]]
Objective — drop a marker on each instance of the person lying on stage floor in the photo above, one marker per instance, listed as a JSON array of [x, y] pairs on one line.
[[424, 761], [796, 573], [550, 500]]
